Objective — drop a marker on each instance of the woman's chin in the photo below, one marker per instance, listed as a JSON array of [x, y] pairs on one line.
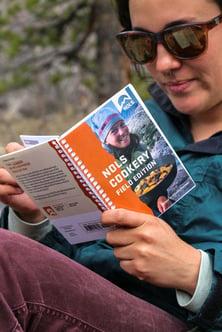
[[186, 107]]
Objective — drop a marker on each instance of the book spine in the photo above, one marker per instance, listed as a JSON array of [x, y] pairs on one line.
[[91, 188]]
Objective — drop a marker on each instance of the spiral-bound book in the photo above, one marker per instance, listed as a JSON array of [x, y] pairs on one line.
[[116, 157]]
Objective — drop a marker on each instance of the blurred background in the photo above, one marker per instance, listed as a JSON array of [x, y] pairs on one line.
[[59, 60]]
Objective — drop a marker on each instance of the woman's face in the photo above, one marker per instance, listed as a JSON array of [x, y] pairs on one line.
[[118, 135], [194, 86]]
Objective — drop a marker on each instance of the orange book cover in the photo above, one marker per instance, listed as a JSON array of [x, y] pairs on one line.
[[106, 176], [125, 158]]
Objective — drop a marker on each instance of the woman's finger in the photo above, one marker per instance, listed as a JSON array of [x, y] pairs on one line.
[[124, 218]]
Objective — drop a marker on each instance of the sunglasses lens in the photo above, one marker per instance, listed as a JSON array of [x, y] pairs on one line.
[[186, 42], [138, 47]]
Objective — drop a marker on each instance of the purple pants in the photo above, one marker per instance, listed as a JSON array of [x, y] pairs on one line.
[[43, 291]]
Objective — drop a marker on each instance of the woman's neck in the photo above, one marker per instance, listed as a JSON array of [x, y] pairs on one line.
[[202, 126]]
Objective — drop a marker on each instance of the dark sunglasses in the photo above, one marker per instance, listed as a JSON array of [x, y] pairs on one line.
[[183, 41]]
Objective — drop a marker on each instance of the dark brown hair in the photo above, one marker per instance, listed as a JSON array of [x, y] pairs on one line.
[[122, 7]]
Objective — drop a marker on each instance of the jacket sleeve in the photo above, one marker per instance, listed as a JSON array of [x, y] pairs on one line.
[[210, 314], [4, 217]]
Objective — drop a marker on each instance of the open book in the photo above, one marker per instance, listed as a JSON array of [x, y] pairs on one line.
[[115, 157]]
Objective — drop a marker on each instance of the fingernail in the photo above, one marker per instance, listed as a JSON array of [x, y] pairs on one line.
[[19, 190]]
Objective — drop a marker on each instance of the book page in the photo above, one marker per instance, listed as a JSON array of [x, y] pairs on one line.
[[48, 181], [30, 140]]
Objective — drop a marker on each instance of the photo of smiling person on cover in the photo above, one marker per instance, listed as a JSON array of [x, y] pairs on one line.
[[115, 136]]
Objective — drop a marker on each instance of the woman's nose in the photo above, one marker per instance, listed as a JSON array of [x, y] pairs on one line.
[[121, 131], [165, 61]]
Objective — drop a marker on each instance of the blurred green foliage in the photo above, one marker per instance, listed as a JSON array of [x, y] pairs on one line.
[[38, 33], [48, 36]]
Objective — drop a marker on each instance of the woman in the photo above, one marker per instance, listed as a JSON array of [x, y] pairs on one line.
[[173, 262]]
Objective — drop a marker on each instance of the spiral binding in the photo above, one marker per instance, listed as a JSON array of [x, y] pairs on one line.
[[82, 183]]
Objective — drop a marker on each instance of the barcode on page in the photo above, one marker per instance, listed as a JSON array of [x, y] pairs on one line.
[[92, 227]]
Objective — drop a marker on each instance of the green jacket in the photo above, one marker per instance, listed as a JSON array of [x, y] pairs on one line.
[[197, 219]]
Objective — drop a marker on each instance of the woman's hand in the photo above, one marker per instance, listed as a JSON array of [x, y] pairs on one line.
[[149, 249], [12, 195]]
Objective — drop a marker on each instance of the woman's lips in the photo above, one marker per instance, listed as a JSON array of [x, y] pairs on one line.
[[178, 86]]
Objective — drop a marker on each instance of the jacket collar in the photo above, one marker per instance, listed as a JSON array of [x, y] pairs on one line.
[[211, 146]]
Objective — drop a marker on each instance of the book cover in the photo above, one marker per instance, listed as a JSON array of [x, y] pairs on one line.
[[122, 148], [115, 157]]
